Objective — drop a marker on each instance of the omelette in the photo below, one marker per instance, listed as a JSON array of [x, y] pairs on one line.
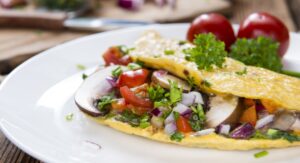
[[156, 93]]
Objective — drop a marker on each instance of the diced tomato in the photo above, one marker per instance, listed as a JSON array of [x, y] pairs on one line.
[[119, 105], [131, 98], [114, 56], [183, 125], [249, 116], [249, 102], [270, 107], [133, 78]]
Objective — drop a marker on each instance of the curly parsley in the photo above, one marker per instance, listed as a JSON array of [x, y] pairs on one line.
[[260, 52], [207, 53]]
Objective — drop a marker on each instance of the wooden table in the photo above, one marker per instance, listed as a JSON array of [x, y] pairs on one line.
[[287, 10]]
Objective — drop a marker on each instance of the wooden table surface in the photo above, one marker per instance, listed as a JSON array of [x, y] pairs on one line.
[[287, 10]]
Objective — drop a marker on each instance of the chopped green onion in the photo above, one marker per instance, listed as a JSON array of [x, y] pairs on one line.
[[80, 67], [117, 72], [134, 66], [261, 154], [84, 76], [169, 52], [177, 136], [69, 117]]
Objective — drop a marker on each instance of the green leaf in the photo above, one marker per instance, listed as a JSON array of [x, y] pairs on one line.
[[117, 71], [169, 52], [84, 76], [103, 102], [177, 136], [208, 53], [175, 92], [261, 154], [260, 52], [134, 66], [156, 93]]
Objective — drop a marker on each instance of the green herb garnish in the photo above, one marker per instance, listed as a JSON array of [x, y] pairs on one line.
[[134, 66], [177, 136], [103, 103], [176, 115], [69, 117], [261, 154], [156, 93], [80, 67], [169, 52], [144, 121], [206, 83], [276, 134], [191, 82], [209, 52], [84, 76], [182, 42], [242, 72], [133, 119], [117, 72], [175, 92], [197, 119], [260, 52]]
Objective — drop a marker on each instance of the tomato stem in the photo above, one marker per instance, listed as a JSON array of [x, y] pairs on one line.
[[291, 73]]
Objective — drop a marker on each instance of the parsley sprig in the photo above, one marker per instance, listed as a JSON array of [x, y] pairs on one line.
[[207, 53]]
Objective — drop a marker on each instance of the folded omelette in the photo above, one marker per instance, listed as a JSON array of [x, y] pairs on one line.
[[160, 95]]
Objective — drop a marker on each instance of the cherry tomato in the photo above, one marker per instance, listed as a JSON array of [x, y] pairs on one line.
[[183, 125], [114, 56], [264, 24], [212, 23], [133, 78], [131, 98]]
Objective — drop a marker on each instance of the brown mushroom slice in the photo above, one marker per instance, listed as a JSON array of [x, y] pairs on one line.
[[92, 89], [162, 78], [284, 120], [223, 109]]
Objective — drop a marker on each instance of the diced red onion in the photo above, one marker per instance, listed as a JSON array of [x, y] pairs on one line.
[[170, 128], [157, 122], [188, 99], [156, 112], [131, 4], [198, 97], [181, 109], [204, 132], [112, 81], [160, 73], [244, 131], [259, 107], [170, 118], [224, 129], [264, 121]]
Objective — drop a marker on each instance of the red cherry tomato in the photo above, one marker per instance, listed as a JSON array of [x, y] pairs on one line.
[[183, 125], [264, 24], [114, 56], [131, 98], [212, 23], [133, 78]]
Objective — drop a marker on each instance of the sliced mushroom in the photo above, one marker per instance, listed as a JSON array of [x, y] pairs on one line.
[[162, 78], [284, 120], [223, 109], [296, 124], [92, 89]]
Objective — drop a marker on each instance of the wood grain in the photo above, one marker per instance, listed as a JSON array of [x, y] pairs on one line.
[[241, 8]]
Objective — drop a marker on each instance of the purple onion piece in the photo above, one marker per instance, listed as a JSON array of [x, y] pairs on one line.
[[131, 4], [155, 112], [180, 108], [264, 121], [170, 119], [112, 81], [170, 128], [188, 99], [259, 107], [244, 131]]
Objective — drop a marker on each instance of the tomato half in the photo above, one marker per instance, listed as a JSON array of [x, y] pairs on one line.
[[264, 24], [114, 56], [183, 125], [133, 78], [131, 98], [212, 23]]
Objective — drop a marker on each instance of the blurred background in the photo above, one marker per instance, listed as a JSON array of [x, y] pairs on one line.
[[28, 27]]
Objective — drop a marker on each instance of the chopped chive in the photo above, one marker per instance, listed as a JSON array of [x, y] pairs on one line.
[[134, 66], [80, 67], [261, 154], [69, 117], [169, 52]]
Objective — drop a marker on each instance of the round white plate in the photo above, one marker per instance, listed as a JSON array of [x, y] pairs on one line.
[[36, 97]]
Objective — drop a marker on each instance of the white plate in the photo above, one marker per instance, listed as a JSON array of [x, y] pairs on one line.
[[36, 97]]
